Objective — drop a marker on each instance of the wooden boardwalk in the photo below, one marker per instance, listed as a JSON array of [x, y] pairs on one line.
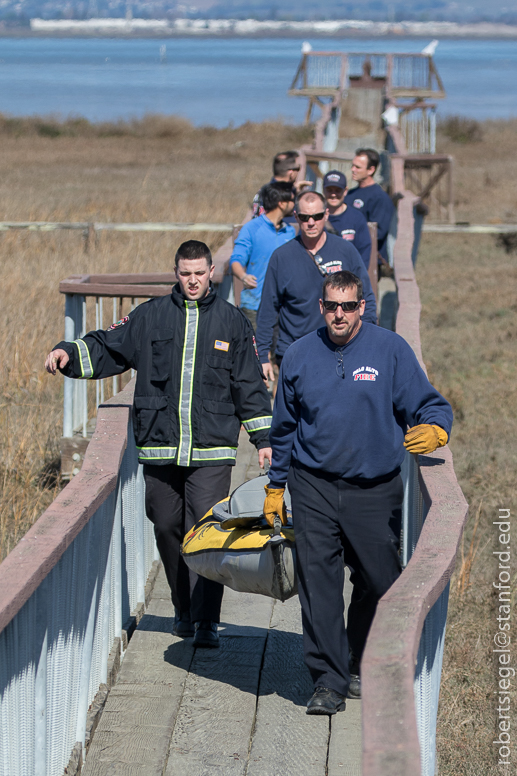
[[235, 711]]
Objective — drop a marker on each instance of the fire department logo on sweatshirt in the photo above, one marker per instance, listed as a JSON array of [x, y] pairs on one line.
[[365, 373], [358, 202], [332, 266]]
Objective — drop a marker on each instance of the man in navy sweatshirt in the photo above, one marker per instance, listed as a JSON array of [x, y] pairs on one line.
[[369, 198], [292, 286], [347, 394], [347, 221]]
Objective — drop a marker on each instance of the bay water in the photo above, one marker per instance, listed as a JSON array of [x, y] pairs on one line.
[[223, 81]]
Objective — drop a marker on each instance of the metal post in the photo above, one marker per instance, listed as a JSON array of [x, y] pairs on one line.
[[117, 565], [84, 383], [115, 319], [40, 691], [106, 613], [69, 383], [101, 326], [86, 663]]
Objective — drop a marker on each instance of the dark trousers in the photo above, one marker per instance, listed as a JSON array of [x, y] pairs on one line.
[[176, 497], [337, 522], [251, 315]]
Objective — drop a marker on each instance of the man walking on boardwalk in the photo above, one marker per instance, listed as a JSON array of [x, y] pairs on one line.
[[369, 198], [286, 166], [347, 222], [346, 395], [198, 379], [256, 242], [292, 286]]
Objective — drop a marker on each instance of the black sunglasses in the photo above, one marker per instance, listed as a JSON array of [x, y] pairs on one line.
[[347, 307], [304, 217]]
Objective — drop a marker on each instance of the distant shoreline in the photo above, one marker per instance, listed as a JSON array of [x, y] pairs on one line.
[[231, 36], [250, 28]]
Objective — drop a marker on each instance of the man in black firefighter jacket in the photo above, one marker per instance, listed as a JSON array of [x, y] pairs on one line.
[[198, 379]]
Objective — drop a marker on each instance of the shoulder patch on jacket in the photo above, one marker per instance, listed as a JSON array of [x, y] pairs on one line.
[[118, 324], [221, 345]]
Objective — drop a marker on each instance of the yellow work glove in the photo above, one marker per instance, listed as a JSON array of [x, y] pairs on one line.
[[274, 505], [425, 438]]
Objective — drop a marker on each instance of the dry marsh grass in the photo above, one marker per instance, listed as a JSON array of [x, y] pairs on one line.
[[167, 171], [468, 287], [485, 168], [159, 169]]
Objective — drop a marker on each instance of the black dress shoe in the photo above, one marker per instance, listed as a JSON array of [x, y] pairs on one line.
[[354, 690], [326, 701], [206, 634], [182, 626]]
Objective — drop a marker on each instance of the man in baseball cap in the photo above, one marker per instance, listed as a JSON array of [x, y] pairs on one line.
[[347, 222]]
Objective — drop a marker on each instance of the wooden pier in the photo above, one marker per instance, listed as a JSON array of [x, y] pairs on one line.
[[234, 711]]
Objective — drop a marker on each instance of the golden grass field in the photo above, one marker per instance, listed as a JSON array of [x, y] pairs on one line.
[[162, 169]]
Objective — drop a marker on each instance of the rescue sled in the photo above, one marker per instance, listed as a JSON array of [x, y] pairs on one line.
[[235, 546]]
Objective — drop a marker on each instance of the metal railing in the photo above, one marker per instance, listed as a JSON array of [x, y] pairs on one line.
[[401, 666], [67, 592], [418, 127], [401, 75], [90, 230]]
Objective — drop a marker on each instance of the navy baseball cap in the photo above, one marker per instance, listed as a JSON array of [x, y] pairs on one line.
[[334, 178]]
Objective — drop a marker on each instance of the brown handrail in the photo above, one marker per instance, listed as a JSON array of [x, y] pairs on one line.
[[40, 549], [390, 737]]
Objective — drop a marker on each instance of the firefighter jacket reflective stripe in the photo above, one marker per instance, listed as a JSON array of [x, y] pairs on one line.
[[198, 377]]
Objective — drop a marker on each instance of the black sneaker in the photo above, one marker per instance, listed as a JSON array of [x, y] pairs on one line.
[[182, 627], [326, 701], [354, 690], [206, 634]]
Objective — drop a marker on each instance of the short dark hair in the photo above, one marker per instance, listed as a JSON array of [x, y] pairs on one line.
[[285, 161], [371, 153], [273, 193], [341, 280], [193, 249], [312, 194]]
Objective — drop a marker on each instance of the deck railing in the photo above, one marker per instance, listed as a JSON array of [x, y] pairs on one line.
[[69, 595], [402, 75], [401, 667]]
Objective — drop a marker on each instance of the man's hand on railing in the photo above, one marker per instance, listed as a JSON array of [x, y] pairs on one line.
[[57, 359], [425, 438]]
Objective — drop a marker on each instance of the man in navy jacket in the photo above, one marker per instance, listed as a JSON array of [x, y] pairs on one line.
[[369, 198], [198, 380], [292, 286], [348, 222], [347, 393]]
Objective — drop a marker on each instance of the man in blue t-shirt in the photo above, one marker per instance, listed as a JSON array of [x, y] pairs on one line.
[[347, 222], [346, 396], [369, 198], [256, 242]]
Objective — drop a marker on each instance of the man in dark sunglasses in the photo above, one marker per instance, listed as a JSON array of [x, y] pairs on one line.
[[296, 270], [346, 396]]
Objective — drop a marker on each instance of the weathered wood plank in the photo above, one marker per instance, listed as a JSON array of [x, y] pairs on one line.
[[344, 756], [215, 720], [286, 741], [245, 614]]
